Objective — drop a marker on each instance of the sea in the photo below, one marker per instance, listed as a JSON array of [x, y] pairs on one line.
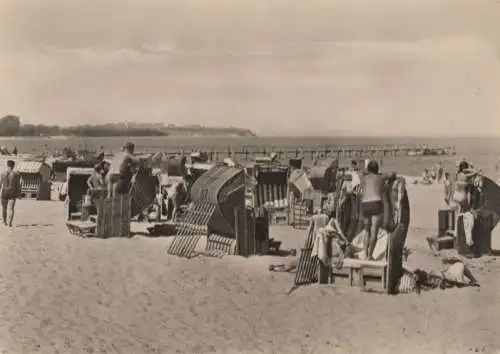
[[482, 152]]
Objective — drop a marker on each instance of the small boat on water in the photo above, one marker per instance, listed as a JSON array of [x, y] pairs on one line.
[[430, 152], [416, 152]]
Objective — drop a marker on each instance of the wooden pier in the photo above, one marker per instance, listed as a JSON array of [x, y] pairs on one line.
[[247, 153]]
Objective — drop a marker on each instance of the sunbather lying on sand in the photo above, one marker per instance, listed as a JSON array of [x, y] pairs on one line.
[[455, 275]]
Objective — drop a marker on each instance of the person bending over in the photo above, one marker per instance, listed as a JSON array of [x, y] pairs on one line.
[[10, 181], [121, 171], [372, 205]]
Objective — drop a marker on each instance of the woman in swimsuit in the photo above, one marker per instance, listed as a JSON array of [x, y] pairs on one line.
[[372, 205], [461, 196]]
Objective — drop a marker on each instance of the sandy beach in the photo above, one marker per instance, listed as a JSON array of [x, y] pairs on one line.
[[64, 294]]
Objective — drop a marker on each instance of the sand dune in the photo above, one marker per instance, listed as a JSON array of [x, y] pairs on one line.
[[63, 294]]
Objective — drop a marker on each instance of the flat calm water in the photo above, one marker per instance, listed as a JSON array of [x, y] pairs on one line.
[[482, 152]]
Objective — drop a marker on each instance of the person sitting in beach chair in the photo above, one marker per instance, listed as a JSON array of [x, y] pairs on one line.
[[122, 170], [96, 180], [372, 204]]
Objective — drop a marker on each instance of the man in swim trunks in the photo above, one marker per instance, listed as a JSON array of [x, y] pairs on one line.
[[372, 205], [121, 171], [10, 183]]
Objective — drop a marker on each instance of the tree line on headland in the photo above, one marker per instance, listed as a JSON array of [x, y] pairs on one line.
[[10, 125]]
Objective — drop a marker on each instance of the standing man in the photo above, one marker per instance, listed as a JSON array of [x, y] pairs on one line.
[[372, 204], [121, 171], [10, 182]]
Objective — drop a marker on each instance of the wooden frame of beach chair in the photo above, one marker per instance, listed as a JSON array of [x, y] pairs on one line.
[[387, 272], [112, 220], [446, 230], [481, 236]]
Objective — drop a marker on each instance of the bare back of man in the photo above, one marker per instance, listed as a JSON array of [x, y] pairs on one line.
[[120, 173], [10, 182]]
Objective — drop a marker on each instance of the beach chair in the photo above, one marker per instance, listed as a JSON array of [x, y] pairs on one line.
[[386, 272], [112, 219], [446, 231]]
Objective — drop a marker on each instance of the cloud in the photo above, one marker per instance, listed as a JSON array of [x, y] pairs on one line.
[[271, 66], [440, 49]]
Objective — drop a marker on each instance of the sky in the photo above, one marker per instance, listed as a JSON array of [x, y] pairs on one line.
[[294, 67]]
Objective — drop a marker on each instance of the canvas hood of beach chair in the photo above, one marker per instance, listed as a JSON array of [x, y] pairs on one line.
[[199, 156], [223, 187], [214, 196], [197, 169], [300, 185], [76, 185], [175, 166], [295, 163], [265, 159], [143, 191], [323, 176], [271, 186], [61, 166]]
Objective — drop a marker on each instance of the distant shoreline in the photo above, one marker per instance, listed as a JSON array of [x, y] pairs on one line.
[[66, 137]]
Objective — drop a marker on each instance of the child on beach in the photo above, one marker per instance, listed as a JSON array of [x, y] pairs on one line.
[[372, 204]]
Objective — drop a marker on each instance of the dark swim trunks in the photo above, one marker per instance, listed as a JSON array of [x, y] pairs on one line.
[[373, 208]]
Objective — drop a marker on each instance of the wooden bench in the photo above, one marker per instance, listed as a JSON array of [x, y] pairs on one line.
[[357, 269]]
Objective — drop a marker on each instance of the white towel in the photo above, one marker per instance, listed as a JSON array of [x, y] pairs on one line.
[[379, 252], [468, 221], [320, 245]]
